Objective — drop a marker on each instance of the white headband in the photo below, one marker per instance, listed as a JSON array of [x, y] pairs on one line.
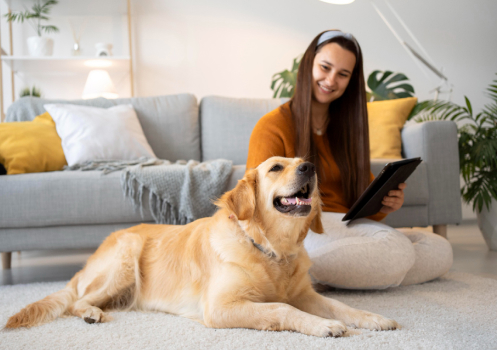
[[334, 34]]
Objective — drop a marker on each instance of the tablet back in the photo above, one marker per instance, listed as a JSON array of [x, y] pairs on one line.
[[369, 203]]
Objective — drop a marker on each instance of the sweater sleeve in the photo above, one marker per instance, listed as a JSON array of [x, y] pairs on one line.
[[378, 216], [267, 140]]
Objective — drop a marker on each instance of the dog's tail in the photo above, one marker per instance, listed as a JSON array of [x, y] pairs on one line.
[[45, 310]]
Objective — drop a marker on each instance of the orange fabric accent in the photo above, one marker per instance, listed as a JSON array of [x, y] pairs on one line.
[[274, 135]]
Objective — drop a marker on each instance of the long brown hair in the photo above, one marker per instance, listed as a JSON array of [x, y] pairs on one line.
[[347, 132]]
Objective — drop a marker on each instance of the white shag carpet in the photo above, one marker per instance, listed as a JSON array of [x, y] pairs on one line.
[[457, 311]]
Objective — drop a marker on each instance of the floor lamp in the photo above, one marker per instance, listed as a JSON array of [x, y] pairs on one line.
[[417, 58]]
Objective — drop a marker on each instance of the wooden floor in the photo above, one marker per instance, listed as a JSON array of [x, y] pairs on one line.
[[470, 255]]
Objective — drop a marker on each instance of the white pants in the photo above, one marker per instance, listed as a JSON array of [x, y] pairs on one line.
[[370, 255]]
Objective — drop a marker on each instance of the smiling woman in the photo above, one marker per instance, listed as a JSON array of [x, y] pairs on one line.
[[328, 113], [326, 122]]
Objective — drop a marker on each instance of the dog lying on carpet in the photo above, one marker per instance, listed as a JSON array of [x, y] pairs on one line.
[[244, 267]]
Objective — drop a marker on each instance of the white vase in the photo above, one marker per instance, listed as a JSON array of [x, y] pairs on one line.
[[39, 46], [487, 222]]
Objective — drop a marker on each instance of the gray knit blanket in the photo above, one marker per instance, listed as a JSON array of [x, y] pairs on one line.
[[178, 193]]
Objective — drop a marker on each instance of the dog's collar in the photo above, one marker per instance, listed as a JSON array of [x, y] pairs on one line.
[[269, 253]]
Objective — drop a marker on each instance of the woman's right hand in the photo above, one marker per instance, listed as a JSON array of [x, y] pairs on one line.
[[394, 200]]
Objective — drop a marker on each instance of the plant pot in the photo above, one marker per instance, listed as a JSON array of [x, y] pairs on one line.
[[39, 46], [487, 222]]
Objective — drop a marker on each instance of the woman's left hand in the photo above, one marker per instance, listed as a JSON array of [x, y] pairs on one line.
[[394, 200]]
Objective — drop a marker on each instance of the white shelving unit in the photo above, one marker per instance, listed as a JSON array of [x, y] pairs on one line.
[[57, 64], [75, 7], [26, 65]]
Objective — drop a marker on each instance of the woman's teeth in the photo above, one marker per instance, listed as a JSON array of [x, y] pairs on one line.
[[325, 89]]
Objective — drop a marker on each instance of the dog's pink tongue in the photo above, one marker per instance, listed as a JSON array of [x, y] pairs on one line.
[[293, 200]]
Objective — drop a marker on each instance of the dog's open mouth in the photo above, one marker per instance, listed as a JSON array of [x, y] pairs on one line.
[[298, 203]]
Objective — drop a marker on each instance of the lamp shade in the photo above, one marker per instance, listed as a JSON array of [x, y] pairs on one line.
[[338, 2], [99, 84]]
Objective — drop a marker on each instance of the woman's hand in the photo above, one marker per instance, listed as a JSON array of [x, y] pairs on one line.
[[394, 200]]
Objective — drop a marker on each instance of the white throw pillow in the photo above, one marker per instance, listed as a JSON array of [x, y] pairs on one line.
[[91, 133]]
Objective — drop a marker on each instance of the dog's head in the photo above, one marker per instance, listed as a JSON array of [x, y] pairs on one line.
[[280, 196]]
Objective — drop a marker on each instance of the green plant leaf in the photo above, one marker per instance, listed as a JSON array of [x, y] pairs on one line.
[[34, 91], [37, 14], [438, 110], [468, 104], [406, 87], [283, 83], [383, 85], [396, 78], [49, 29], [403, 94], [373, 82]]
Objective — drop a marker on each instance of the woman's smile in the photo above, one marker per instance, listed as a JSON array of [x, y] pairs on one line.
[[325, 89]]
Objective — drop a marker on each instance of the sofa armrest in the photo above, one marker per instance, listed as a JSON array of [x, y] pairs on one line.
[[436, 143]]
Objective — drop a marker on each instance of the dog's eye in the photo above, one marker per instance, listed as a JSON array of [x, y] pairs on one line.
[[277, 167]]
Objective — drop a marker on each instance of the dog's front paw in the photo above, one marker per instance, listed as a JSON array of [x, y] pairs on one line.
[[374, 322], [330, 328], [95, 315]]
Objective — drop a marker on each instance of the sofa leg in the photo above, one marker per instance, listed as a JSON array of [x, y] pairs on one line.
[[440, 230], [6, 260]]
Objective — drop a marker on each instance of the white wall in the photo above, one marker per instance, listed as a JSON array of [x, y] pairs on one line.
[[233, 48]]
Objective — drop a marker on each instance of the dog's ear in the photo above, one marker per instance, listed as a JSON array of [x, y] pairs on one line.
[[316, 224], [241, 200]]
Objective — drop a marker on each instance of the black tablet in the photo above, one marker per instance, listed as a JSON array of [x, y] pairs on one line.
[[369, 203]]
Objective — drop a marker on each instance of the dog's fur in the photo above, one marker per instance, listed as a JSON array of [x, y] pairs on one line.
[[244, 267]]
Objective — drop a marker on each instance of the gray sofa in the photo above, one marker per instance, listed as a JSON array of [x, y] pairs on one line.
[[79, 209]]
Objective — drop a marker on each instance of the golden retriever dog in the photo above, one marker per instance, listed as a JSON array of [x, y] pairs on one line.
[[244, 267]]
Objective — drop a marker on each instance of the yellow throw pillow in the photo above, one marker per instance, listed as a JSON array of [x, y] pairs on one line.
[[386, 120], [31, 147]]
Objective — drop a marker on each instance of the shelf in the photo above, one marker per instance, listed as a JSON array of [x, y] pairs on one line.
[[61, 64], [77, 8], [59, 73]]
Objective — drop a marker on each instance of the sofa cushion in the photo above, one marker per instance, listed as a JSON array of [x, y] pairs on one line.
[[226, 125], [65, 198], [386, 119], [93, 133], [170, 123], [31, 147]]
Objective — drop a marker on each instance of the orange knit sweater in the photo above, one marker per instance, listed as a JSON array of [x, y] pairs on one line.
[[274, 136]]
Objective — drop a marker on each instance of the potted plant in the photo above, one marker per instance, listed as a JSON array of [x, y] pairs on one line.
[[34, 92], [477, 155], [37, 45]]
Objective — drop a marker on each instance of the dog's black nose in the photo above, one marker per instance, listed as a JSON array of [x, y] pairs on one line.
[[307, 169]]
